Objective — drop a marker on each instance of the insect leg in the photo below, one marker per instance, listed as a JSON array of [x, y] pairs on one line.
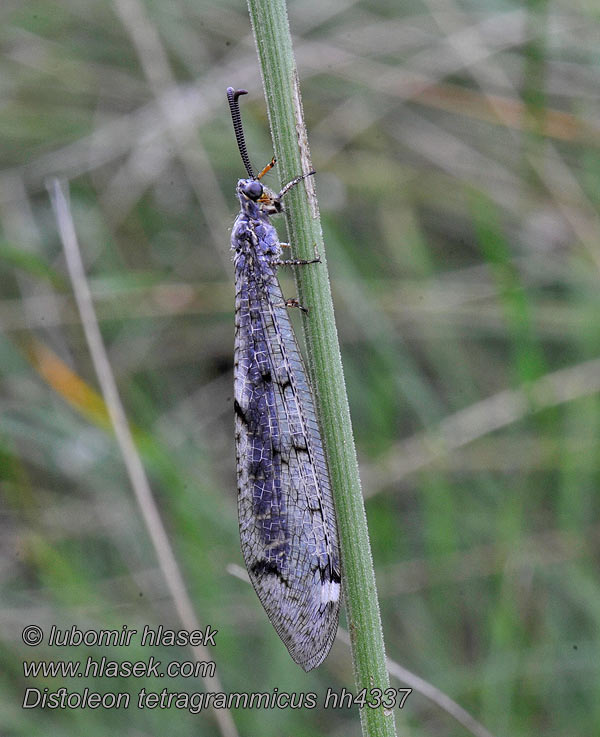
[[292, 302], [267, 168], [293, 183], [298, 261]]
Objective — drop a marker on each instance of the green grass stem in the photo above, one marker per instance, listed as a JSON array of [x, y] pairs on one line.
[[274, 44]]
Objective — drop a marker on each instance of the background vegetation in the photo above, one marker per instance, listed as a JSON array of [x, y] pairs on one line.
[[456, 146]]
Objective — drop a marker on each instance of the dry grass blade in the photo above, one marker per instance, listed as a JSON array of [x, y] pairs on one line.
[[426, 689], [486, 416], [131, 457]]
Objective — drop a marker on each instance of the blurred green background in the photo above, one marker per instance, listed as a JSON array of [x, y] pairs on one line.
[[456, 146]]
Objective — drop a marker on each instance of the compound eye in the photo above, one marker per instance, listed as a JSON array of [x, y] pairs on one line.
[[253, 190]]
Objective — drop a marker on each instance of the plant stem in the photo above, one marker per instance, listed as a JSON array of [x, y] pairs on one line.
[[274, 44]]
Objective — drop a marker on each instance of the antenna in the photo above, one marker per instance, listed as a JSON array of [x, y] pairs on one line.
[[232, 97]]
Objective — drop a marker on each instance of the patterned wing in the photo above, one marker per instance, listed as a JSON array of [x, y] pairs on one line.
[[287, 523]]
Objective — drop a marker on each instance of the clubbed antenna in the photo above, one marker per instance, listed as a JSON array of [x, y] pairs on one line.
[[232, 96]]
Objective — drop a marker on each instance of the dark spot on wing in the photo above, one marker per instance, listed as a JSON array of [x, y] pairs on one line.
[[268, 568], [240, 412]]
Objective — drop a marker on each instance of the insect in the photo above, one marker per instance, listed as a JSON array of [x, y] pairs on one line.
[[286, 515]]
